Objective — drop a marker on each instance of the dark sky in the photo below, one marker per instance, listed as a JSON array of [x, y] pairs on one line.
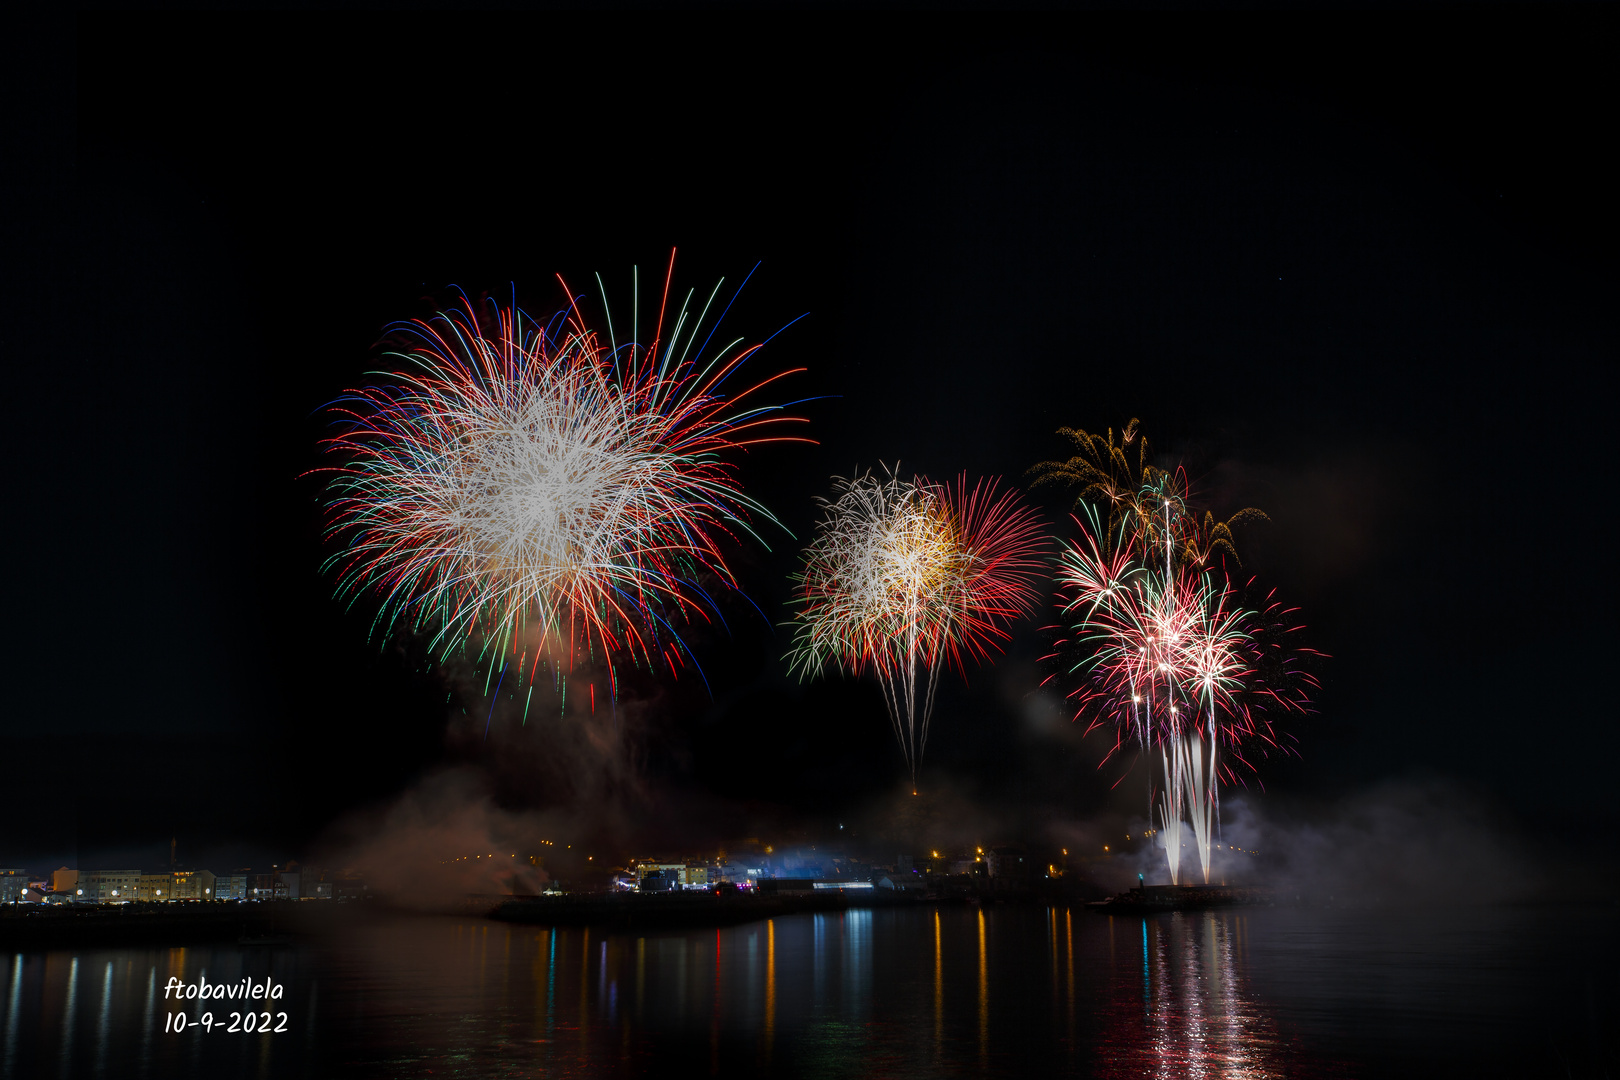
[[1357, 271]]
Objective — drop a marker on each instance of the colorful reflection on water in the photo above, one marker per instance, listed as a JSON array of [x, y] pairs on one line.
[[913, 992], [1187, 1011]]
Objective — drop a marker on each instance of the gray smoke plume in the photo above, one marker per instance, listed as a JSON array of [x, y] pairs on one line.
[[1402, 843]]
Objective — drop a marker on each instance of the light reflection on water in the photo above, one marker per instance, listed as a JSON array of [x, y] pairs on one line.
[[914, 992], [1186, 1011]]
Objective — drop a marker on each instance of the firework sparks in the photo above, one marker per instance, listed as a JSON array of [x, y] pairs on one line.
[[904, 576], [542, 494], [1166, 653]]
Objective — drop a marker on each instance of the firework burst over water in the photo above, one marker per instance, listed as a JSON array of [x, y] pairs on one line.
[[905, 576], [546, 493], [1159, 640]]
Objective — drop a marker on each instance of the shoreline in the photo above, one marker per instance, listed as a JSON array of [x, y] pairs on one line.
[[289, 922], [284, 922]]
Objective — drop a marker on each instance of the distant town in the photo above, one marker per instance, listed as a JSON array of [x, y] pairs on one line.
[[69, 886], [752, 864], [746, 865]]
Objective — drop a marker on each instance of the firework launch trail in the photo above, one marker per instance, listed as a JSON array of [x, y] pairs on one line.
[[905, 576]]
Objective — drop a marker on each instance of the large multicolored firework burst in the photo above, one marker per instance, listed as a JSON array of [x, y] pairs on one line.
[[1170, 652], [542, 494], [904, 576]]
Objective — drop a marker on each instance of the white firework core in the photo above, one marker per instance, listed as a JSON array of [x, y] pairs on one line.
[[887, 573], [538, 495]]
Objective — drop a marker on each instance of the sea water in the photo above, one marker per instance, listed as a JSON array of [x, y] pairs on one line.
[[908, 992]]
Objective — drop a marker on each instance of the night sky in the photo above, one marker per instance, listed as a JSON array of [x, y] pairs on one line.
[[1357, 271]]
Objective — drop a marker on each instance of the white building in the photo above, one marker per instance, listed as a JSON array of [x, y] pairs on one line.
[[106, 886]]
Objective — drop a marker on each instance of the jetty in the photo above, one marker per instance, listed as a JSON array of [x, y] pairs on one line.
[[1150, 899]]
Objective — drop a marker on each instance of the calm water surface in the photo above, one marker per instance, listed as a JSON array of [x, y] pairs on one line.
[[916, 992]]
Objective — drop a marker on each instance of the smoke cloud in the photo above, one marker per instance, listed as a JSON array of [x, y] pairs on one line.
[[553, 774], [441, 841], [1405, 843]]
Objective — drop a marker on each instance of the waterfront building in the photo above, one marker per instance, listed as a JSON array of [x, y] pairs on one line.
[[12, 884], [191, 885], [161, 886], [296, 882], [307, 882], [743, 870], [231, 886], [154, 885], [348, 885], [64, 880], [106, 886], [1011, 863], [656, 876]]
